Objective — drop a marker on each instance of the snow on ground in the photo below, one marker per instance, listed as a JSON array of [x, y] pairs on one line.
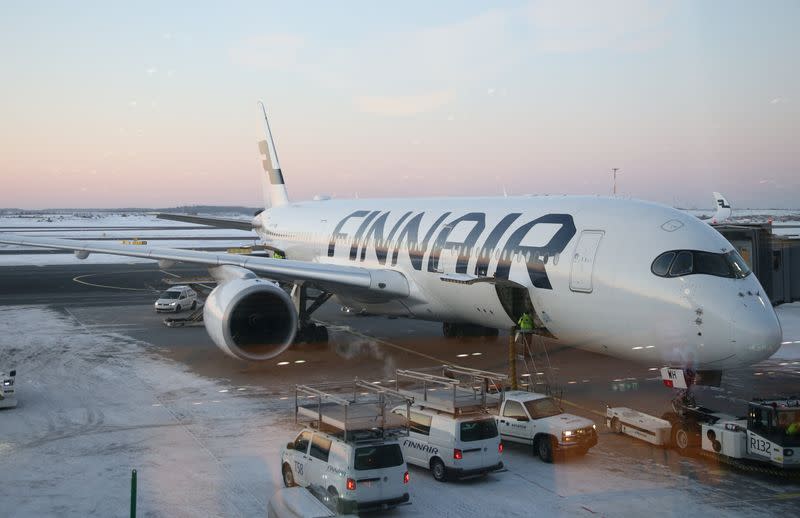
[[95, 404]]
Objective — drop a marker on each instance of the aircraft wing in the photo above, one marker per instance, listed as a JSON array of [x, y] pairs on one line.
[[380, 283], [231, 223]]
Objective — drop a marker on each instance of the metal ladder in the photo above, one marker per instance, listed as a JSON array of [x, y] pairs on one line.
[[540, 375]]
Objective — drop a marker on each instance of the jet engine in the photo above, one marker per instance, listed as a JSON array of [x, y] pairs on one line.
[[250, 318]]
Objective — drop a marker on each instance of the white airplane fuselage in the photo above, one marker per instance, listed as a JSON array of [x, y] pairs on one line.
[[584, 261]]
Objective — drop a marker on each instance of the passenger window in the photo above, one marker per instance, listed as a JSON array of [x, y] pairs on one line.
[[514, 409], [320, 448], [301, 443], [661, 264], [682, 265], [420, 423]]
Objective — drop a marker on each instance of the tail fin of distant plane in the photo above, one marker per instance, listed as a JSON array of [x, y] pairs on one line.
[[723, 209], [269, 159]]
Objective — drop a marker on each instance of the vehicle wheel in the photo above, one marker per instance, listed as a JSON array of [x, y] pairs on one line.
[[333, 498], [438, 470], [448, 330], [544, 448], [194, 304], [321, 334], [288, 476], [178, 308], [680, 438], [616, 425]]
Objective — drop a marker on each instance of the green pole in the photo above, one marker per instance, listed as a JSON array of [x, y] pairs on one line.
[[133, 493]]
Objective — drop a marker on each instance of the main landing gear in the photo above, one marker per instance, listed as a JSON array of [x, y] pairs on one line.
[[306, 304], [452, 330]]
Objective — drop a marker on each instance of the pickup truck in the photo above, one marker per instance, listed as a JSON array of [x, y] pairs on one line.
[[536, 419]]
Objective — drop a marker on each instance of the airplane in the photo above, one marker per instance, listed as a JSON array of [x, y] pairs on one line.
[[723, 210], [626, 278]]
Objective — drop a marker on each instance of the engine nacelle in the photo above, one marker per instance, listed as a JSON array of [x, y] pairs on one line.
[[250, 318]]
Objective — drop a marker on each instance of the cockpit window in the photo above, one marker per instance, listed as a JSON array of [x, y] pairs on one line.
[[662, 262], [737, 264], [677, 263], [682, 265], [711, 264]]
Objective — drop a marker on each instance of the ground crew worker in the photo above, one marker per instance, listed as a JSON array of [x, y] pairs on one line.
[[525, 323], [277, 255], [793, 429]]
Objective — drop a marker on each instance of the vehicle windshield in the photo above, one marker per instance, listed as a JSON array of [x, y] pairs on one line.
[[788, 423], [377, 457], [544, 407], [478, 430], [170, 295], [678, 263]]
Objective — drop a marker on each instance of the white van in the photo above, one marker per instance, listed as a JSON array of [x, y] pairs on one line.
[[451, 446], [355, 475], [176, 299]]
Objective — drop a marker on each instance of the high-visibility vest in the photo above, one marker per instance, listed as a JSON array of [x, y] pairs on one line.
[[525, 322]]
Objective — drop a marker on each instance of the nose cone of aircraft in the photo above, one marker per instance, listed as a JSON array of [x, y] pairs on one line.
[[756, 332]]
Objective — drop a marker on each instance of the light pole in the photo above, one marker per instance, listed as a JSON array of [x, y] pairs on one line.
[[615, 169]]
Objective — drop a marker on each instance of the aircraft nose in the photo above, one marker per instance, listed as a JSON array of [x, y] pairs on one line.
[[756, 331]]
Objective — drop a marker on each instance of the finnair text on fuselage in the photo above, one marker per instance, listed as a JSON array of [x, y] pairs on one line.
[[371, 234]]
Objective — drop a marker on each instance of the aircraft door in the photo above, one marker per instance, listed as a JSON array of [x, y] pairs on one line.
[[580, 277]]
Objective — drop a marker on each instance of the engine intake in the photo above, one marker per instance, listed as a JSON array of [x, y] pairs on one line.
[[250, 318]]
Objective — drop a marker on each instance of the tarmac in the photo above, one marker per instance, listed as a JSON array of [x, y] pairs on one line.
[[105, 387]]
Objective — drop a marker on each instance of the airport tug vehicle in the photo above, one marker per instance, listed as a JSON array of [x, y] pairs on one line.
[[8, 394], [350, 454], [451, 433], [768, 436]]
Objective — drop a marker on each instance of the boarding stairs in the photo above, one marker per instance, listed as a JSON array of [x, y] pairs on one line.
[[536, 367]]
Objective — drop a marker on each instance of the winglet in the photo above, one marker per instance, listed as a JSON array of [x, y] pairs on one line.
[[278, 194]]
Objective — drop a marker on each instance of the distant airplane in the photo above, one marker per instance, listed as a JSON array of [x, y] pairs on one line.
[[723, 210], [625, 278]]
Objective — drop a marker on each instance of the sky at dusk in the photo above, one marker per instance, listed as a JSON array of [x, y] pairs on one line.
[[153, 104]]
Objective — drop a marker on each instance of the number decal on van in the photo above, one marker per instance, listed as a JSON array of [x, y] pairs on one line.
[[298, 467]]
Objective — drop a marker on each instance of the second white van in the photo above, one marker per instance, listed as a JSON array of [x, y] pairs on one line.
[[451, 446]]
